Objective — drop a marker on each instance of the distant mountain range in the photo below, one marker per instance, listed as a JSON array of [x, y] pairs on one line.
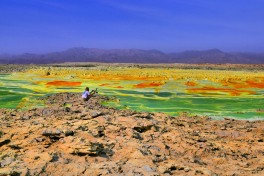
[[213, 56]]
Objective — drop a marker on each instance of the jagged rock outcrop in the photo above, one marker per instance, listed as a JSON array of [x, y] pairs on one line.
[[72, 137]]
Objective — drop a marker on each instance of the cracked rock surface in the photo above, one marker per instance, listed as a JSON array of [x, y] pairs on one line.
[[87, 138]]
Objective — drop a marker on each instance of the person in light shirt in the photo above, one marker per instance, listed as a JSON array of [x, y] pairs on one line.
[[86, 95]]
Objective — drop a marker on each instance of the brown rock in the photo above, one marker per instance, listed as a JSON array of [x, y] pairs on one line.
[[97, 140]]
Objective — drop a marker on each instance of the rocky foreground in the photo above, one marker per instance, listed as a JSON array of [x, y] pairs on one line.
[[72, 137]]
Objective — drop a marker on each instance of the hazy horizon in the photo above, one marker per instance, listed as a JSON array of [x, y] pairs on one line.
[[44, 26], [179, 51]]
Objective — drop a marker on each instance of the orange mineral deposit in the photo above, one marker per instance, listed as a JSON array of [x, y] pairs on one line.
[[63, 83], [233, 92], [148, 84], [190, 83]]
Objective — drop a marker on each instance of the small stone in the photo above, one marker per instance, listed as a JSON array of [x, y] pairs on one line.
[[148, 168], [85, 118], [77, 111], [137, 135], [187, 169], [4, 142], [57, 132], [198, 161], [6, 161], [96, 114], [67, 109], [142, 129], [46, 133], [207, 172], [201, 140], [46, 112], [15, 147], [162, 169], [69, 133], [39, 139], [195, 133], [25, 117], [35, 123], [90, 148], [98, 131], [82, 115], [214, 174], [54, 157], [53, 134], [5, 171], [198, 172], [66, 161], [82, 128]]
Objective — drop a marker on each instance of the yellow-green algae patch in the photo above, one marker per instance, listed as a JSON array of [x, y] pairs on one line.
[[208, 92]]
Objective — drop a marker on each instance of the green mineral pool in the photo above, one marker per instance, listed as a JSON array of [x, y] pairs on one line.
[[171, 98]]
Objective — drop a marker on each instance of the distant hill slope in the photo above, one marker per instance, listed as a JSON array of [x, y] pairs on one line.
[[216, 56], [213, 56]]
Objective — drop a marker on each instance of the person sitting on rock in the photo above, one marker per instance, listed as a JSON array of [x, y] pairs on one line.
[[86, 95]]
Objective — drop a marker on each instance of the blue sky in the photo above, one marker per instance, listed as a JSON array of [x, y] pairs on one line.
[[41, 26]]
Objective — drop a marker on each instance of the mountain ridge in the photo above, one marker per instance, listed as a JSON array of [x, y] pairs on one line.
[[82, 54]]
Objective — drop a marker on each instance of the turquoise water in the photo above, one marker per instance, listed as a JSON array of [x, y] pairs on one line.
[[171, 98]]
